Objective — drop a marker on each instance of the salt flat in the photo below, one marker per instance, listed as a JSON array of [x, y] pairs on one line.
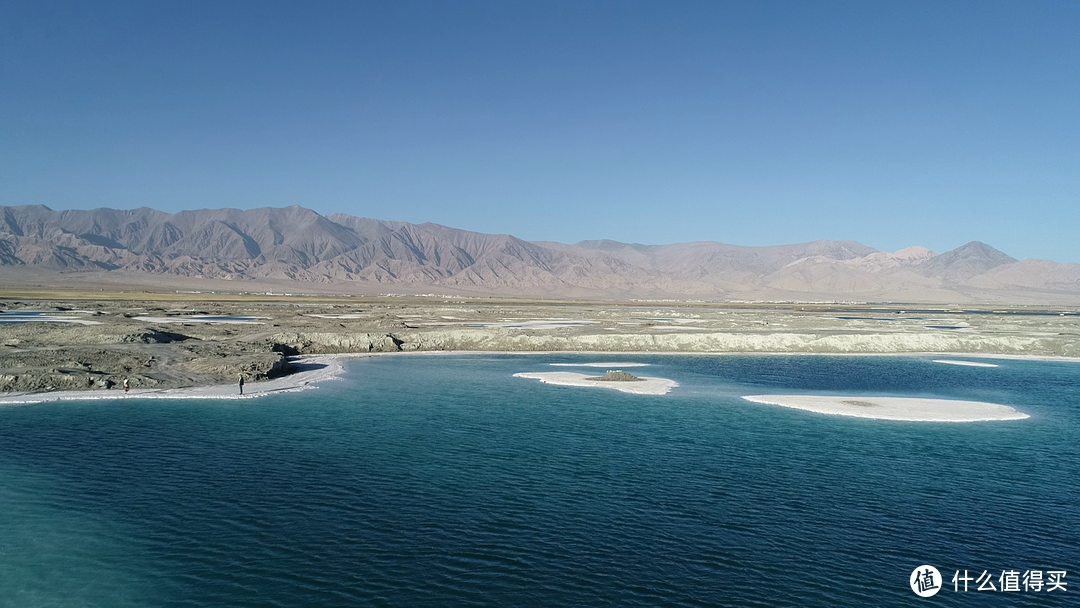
[[73, 320], [647, 385], [208, 319], [139, 336], [16, 317], [537, 324], [894, 408], [341, 316]]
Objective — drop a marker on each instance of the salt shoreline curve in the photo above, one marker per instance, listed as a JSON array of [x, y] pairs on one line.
[[964, 363], [911, 409], [321, 368], [605, 365], [646, 386]]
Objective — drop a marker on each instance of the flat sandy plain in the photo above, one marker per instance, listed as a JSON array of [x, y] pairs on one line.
[[176, 340]]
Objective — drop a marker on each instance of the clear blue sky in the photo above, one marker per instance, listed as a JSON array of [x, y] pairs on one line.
[[754, 123]]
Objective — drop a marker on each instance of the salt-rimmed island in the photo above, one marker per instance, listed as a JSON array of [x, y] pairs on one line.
[[895, 408], [603, 365], [644, 385]]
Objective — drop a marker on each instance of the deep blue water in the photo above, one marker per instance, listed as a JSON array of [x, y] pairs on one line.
[[443, 481]]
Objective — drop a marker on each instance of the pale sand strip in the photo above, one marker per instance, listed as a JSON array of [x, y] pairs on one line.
[[604, 365], [894, 408], [319, 369], [647, 385], [965, 363]]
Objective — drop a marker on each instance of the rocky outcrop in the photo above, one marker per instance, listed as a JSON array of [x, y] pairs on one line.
[[616, 375], [54, 380], [252, 367], [322, 343], [155, 336], [71, 369]]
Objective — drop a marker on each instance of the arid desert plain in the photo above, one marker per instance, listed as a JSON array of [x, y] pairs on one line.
[[53, 341]]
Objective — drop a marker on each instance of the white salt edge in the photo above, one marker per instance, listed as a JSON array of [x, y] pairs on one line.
[[603, 365], [646, 386], [965, 363], [894, 408], [331, 369]]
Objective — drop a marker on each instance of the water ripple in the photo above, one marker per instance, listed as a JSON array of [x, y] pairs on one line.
[[462, 487]]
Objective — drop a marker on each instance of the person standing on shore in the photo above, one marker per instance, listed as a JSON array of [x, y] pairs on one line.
[[240, 380], [126, 387]]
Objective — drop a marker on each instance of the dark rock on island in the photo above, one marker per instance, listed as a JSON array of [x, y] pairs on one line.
[[616, 375]]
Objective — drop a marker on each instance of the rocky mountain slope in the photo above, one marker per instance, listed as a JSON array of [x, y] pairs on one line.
[[295, 244]]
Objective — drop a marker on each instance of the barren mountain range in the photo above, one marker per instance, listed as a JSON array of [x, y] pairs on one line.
[[297, 245]]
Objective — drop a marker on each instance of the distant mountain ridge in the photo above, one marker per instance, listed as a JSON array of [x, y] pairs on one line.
[[298, 244]]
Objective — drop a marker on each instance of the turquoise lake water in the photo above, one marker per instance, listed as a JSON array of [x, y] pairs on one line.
[[444, 481]]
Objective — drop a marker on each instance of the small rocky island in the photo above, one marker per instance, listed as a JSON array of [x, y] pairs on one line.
[[616, 375]]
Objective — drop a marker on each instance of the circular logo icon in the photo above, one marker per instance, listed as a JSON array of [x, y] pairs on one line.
[[925, 581]]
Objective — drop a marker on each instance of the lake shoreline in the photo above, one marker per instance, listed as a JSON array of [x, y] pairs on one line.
[[315, 369]]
